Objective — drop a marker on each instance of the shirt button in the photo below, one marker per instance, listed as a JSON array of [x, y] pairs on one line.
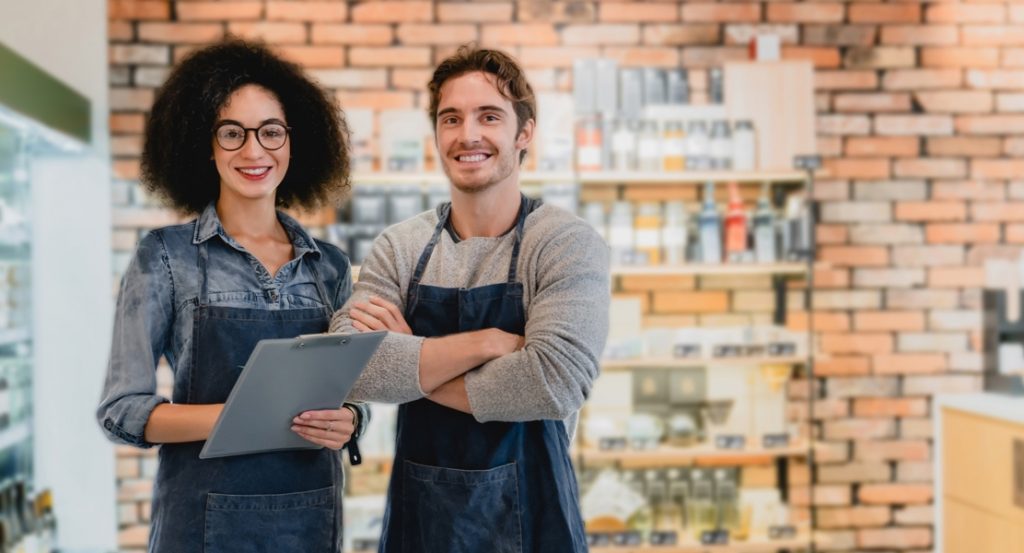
[[273, 295]]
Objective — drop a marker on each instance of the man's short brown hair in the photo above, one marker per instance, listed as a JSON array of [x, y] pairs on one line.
[[511, 81]]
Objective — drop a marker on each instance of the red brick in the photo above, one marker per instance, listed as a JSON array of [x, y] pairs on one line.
[[898, 538], [998, 211], [215, 11], [276, 33], [840, 35], [998, 79], [856, 343], [419, 34], [889, 320], [842, 365], [920, 35], [1010, 102], [680, 35], [920, 79], [843, 124], [822, 57], [896, 146], [859, 429], [909, 363], [882, 57], [306, 10], [1014, 234], [892, 450], [823, 321], [965, 13], [529, 34], [959, 57], [352, 78], [139, 9], [126, 145], [556, 11], [831, 278], [816, 12], [378, 100], [130, 99], [884, 13], [938, 168], [900, 494], [958, 277], [647, 283], [1014, 146], [637, 12], [563, 56], [358, 35], [719, 12], [965, 233], [868, 407], [858, 168], [955, 101], [139, 54], [963, 146], [314, 56], [931, 211], [398, 56], [707, 56], [691, 302], [992, 35], [832, 234], [855, 256], [600, 34], [902, 125], [412, 79], [127, 123], [845, 80], [996, 168], [393, 11], [872, 102], [644, 56], [854, 517], [120, 30], [476, 12], [1012, 57], [126, 169], [990, 124], [180, 33]]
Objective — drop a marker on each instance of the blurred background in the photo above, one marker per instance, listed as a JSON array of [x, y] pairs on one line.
[[815, 212]]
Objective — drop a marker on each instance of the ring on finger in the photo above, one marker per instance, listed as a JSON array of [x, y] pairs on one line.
[[330, 426]]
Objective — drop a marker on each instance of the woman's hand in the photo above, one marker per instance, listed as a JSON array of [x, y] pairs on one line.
[[331, 428], [378, 314]]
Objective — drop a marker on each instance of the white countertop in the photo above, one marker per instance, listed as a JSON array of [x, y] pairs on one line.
[[993, 405]]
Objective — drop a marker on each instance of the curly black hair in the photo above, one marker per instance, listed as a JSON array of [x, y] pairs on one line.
[[176, 157]]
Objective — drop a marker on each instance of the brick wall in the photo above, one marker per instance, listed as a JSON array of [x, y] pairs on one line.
[[921, 112]]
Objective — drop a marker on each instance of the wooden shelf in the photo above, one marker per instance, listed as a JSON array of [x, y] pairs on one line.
[[674, 363], [699, 269], [700, 456], [440, 178], [753, 546], [612, 178]]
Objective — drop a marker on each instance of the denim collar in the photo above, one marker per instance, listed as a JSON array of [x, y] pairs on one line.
[[208, 225]]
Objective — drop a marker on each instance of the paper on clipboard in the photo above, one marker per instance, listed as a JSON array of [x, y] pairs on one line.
[[283, 378]]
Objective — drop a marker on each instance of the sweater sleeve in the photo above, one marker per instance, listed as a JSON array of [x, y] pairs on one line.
[[566, 329], [392, 374]]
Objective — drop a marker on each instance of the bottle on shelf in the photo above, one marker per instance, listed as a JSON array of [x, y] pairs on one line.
[[744, 146], [728, 507], [673, 146], [589, 147], [624, 145], [642, 520], [710, 227], [620, 233], [720, 150], [764, 229], [701, 514], [668, 517], [716, 85], [648, 149], [678, 86], [698, 145], [648, 225], [735, 226], [674, 233]]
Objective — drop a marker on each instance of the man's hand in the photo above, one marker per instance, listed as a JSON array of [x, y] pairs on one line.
[[503, 343], [378, 314], [331, 428]]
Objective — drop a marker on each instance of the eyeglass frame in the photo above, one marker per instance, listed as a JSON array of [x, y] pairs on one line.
[[245, 137]]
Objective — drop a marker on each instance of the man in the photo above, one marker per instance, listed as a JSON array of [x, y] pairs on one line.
[[498, 308]]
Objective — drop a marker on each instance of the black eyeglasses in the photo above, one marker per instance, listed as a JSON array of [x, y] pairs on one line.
[[231, 137]]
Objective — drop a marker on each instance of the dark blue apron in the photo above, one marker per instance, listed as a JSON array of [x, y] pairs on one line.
[[461, 486], [261, 503]]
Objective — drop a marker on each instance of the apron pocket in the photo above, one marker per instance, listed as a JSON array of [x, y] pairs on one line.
[[461, 511], [302, 521]]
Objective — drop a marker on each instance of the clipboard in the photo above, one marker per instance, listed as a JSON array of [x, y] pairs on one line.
[[283, 378]]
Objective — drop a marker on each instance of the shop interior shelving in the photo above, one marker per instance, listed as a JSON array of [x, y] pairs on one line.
[[757, 545]]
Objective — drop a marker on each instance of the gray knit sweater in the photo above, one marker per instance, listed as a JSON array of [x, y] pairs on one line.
[[563, 265]]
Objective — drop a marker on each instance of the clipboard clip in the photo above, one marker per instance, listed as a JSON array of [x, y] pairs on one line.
[[303, 339]]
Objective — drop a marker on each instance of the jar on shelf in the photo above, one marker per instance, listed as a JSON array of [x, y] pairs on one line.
[[648, 233], [721, 145], [589, 144], [698, 146], [673, 155], [624, 145], [648, 147], [744, 146]]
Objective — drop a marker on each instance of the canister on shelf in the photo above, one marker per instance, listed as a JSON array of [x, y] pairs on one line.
[[764, 229], [721, 145], [709, 224], [648, 147], [593, 213], [620, 233], [648, 233], [631, 92], [589, 143], [673, 145], [654, 86], [698, 145], [624, 145], [744, 146], [678, 87], [716, 85], [674, 233]]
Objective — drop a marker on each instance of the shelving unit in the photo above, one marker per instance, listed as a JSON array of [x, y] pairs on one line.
[[677, 363], [762, 545], [697, 456], [706, 269], [691, 178]]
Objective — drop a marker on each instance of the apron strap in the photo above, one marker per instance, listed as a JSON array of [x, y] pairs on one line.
[[443, 211], [320, 288], [204, 290], [526, 206]]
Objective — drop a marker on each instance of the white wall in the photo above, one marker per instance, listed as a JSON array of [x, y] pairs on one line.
[[72, 303]]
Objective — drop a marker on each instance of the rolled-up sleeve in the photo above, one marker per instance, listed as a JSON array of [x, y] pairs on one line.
[[566, 329], [142, 326]]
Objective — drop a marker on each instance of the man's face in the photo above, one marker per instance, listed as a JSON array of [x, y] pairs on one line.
[[476, 133]]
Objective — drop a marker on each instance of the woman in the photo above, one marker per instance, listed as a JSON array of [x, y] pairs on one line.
[[234, 134]]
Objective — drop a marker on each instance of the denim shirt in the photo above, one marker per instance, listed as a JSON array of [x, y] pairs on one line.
[[160, 291]]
